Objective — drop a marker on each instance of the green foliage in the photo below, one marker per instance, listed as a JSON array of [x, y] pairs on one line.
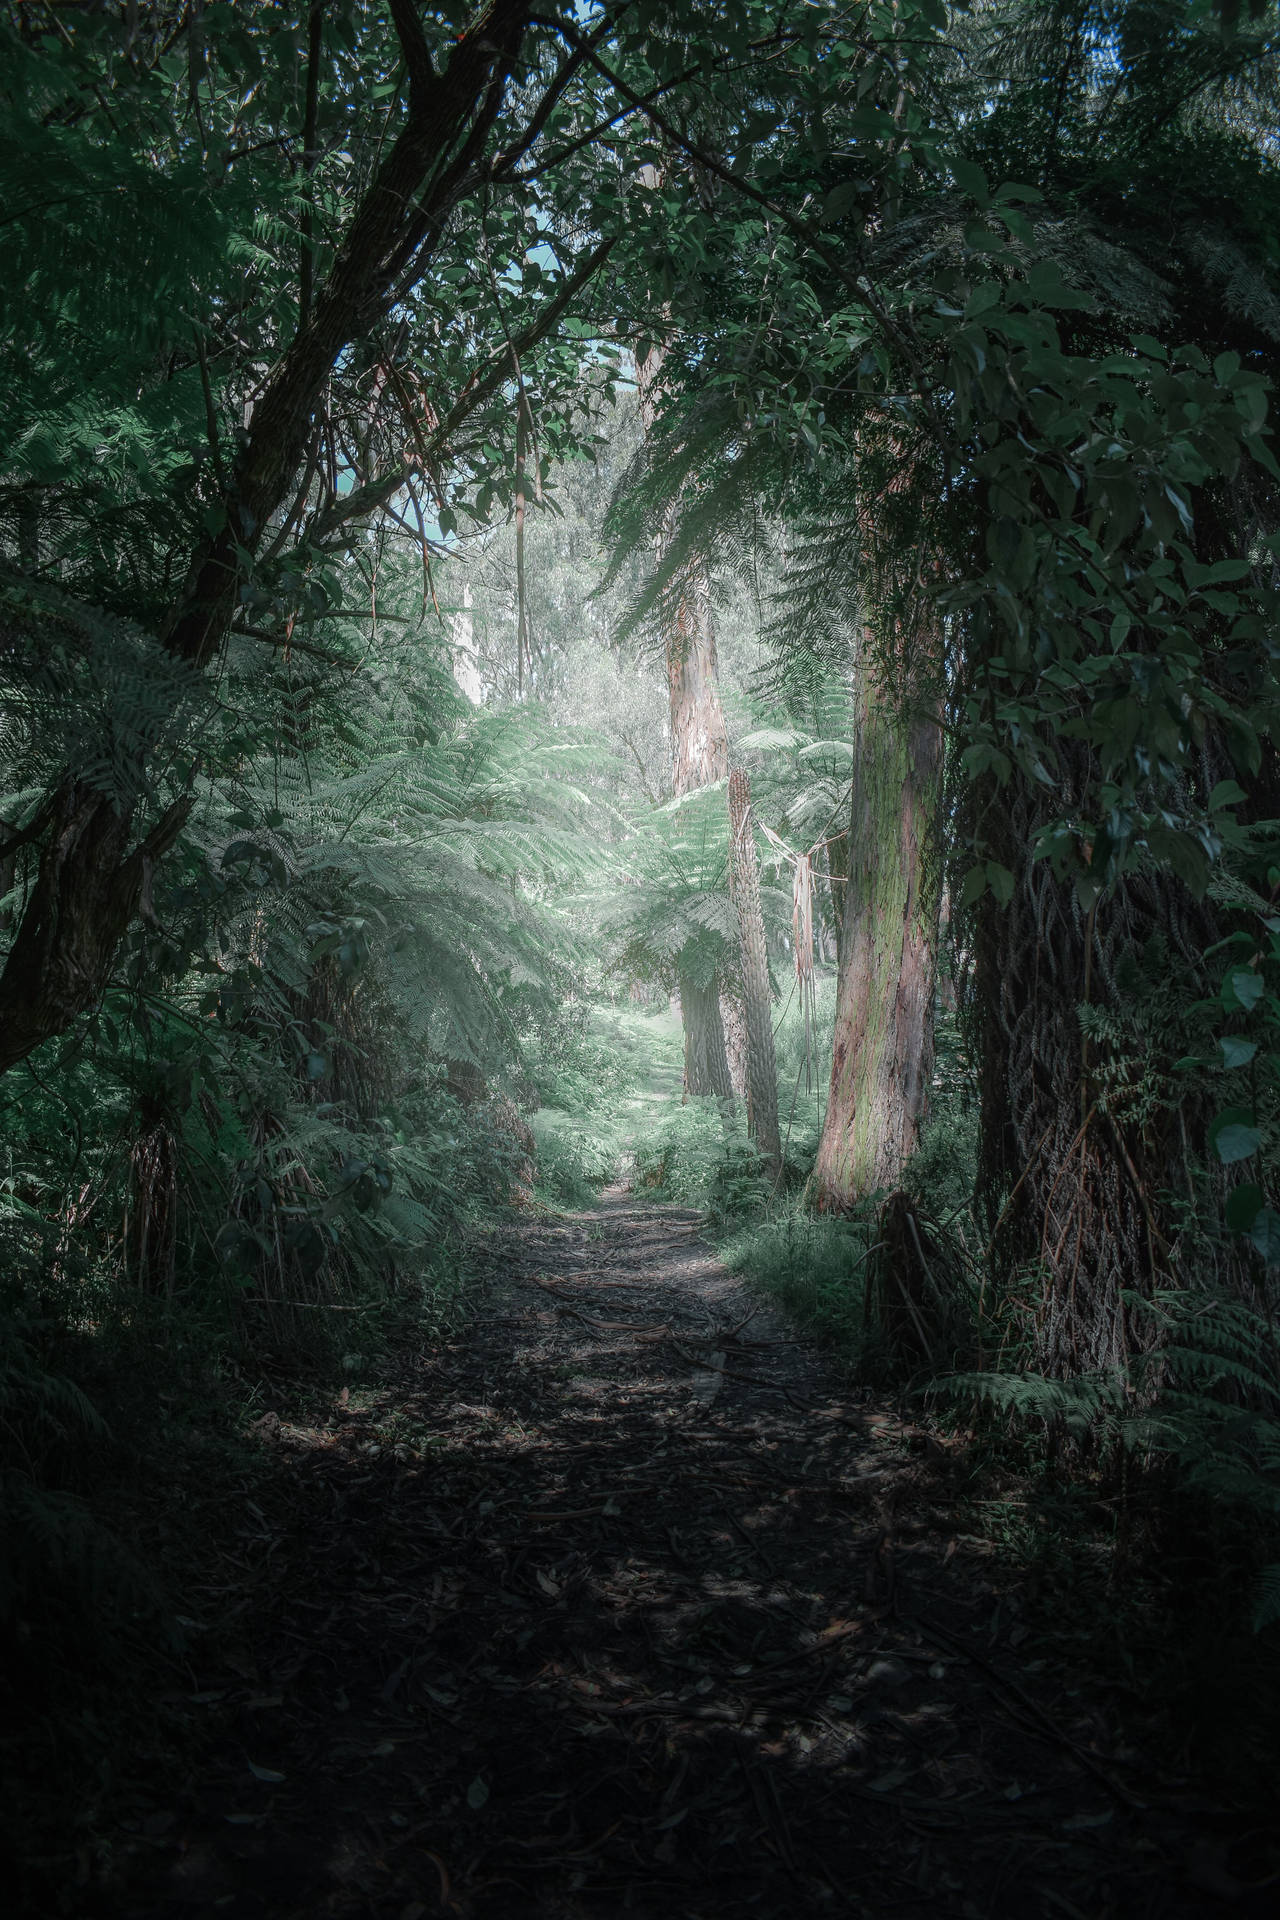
[[575, 1158], [1204, 1404], [674, 920], [979, 360], [942, 1176], [815, 1268], [804, 1072], [348, 917], [701, 1157], [580, 1060]]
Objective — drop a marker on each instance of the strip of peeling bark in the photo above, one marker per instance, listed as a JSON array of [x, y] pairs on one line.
[[734, 1021]]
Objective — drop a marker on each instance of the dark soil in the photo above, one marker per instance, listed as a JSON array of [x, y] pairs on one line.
[[620, 1605]]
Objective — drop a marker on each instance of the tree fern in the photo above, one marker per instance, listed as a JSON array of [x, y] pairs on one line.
[[1205, 1402]]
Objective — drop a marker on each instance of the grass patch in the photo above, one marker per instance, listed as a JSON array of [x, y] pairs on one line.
[[814, 1268]]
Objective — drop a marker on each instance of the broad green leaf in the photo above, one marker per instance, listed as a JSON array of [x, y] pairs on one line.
[[1236, 1142], [971, 180], [1243, 987]]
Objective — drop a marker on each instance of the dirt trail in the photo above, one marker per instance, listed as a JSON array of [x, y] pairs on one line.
[[617, 1606]]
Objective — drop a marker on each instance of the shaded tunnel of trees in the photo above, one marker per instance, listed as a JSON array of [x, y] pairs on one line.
[[659, 600]]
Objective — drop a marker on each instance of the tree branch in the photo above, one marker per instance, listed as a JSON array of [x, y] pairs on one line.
[[417, 55], [461, 104], [375, 493]]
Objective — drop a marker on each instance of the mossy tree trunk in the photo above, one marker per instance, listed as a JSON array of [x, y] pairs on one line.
[[883, 1043]]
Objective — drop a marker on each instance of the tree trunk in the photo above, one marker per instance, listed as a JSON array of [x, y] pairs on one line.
[[883, 1051], [1082, 1184], [734, 1021], [699, 737], [762, 1067], [152, 1239], [706, 1067], [88, 887]]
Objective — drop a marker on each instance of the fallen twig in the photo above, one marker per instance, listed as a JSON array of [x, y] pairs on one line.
[[1001, 1683]]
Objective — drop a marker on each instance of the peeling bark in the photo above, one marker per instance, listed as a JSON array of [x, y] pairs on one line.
[[699, 737], [734, 1022]]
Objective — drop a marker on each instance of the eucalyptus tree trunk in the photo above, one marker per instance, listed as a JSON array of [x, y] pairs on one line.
[[699, 737], [883, 1043], [762, 1066]]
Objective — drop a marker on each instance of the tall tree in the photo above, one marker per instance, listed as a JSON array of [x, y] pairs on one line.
[[94, 866], [883, 1041], [1104, 494], [762, 1068]]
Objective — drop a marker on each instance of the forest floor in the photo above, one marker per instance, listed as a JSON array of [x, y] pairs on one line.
[[619, 1603]]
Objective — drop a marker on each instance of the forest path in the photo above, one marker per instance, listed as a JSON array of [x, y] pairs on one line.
[[614, 1605]]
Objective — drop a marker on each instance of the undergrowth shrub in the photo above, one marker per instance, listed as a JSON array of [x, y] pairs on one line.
[[701, 1157], [804, 1071], [57, 1557], [942, 1174], [815, 1268], [574, 1158], [1203, 1407], [583, 1066], [1159, 1482], [577, 1061]]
